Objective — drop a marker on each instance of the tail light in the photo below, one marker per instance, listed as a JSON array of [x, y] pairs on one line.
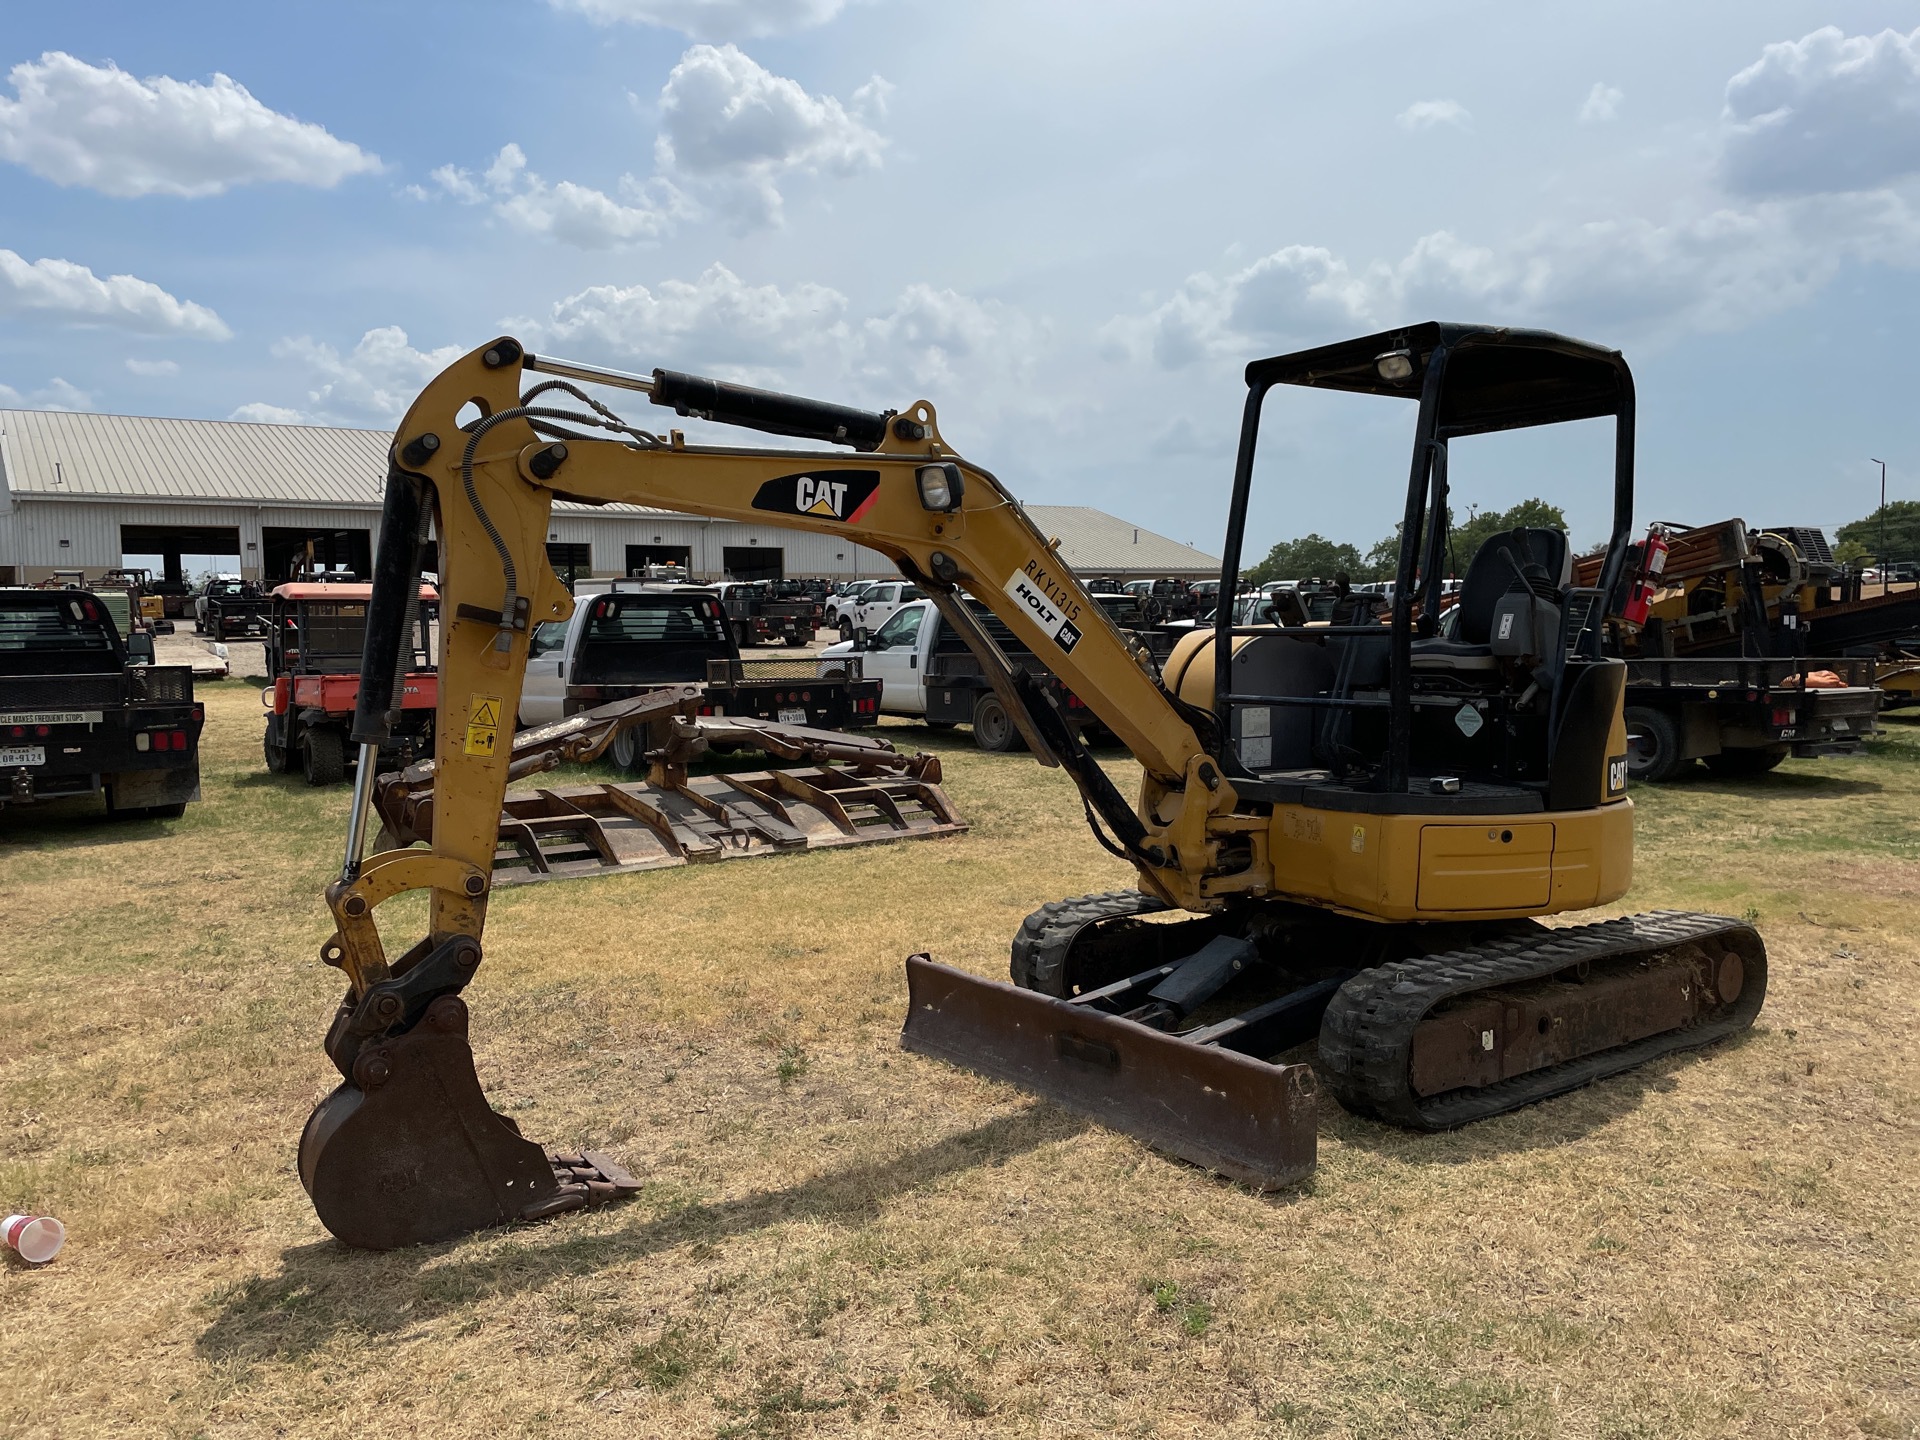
[[1074, 702], [42, 731], [282, 696], [1782, 715], [706, 709]]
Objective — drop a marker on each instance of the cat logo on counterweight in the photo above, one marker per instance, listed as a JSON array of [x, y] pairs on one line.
[[844, 495]]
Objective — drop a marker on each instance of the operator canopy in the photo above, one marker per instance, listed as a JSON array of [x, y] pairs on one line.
[[1496, 378]]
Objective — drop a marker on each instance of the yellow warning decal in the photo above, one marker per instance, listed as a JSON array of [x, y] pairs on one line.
[[483, 725]]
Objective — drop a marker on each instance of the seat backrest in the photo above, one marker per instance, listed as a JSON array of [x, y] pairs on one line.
[[1496, 567]]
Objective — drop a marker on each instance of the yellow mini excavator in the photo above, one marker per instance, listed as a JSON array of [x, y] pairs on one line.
[[1351, 828]]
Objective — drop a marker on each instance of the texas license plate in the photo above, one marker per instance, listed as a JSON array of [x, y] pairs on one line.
[[792, 715], [23, 755]]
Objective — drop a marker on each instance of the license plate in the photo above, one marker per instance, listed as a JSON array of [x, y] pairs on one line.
[[23, 755], [792, 716]]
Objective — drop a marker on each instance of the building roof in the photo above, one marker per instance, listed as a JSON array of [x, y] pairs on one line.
[[1092, 542], [54, 454], [58, 454]]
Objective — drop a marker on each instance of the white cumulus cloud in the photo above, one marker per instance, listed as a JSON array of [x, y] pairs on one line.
[[710, 19], [928, 342], [101, 128], [258, 412], [73, 293], [153, 369], [1611, 280], [576, 215], [56, 394], [1430, 114], [735, 129], [374, 382], [1602, 104], [1825, 114], [717, 323], [939, 337]]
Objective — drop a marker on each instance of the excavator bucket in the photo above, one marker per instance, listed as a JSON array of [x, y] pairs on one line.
[[408, 1151], [1201, 1102]]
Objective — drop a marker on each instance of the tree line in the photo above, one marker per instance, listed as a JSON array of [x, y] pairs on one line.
[[1859, 542], [1315, 556]]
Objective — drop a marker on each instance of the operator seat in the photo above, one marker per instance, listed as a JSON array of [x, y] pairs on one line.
[[1500, 563]]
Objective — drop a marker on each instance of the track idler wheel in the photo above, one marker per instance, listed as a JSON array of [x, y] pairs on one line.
[[409, 1151]]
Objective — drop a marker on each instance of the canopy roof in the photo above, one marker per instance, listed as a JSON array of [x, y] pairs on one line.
[[1495, 379]]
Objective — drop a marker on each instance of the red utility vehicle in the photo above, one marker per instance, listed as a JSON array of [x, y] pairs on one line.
[[314, 637]]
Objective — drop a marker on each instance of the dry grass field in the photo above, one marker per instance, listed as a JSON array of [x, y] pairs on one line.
[[838, 1239]]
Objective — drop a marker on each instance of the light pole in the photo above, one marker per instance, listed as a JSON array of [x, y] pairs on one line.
[[1883, 519]]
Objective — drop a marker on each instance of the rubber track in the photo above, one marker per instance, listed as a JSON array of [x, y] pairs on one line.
[[1366, 1039], [1040, 949]]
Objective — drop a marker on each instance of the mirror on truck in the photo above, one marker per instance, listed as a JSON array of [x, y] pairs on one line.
[[140, 648]]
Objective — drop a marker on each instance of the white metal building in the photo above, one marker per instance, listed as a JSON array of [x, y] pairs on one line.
[[90, 492]]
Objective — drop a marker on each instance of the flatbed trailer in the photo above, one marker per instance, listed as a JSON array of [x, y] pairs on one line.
[[1744, 716]]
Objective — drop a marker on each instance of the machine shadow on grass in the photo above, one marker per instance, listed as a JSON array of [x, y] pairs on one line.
[[83, 820], [1776, 785], [1543, 1125], [324, 1289]]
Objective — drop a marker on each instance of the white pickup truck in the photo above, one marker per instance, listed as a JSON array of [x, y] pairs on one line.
[[874, 606], [637, 636], [927, 671]]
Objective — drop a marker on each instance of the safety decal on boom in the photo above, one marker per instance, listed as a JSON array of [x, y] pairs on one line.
[[1047, 603], [844, 495], [483, 725]]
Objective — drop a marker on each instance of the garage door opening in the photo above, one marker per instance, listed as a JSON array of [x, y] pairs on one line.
[[641, 556], [296, 550], [571, 560], [754, 562], [181, 554]]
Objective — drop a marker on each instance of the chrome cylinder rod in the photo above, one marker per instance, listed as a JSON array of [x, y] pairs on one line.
[[593, 374], [363, 779]]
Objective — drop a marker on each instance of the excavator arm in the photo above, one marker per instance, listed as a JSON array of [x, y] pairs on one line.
[[489, 487], [478, 461]]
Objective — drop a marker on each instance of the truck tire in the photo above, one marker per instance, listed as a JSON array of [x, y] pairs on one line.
[[628, 750], [1654, 752], [846, 629], [740, 636], [1747, 762], [323, 756], [993, 728], [278, 760], [796, 640]]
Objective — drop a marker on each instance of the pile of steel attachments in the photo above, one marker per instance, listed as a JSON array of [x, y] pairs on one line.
[[843, 790]]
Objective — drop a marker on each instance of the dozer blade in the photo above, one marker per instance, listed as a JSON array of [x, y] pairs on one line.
[[409, 1151], [1228, 1112]]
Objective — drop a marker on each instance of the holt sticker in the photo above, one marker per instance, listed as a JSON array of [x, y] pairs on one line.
[[844, 495], [1047, 603], [483, 725]]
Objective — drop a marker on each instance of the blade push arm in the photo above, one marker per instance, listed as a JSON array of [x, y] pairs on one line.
[[947, 523]]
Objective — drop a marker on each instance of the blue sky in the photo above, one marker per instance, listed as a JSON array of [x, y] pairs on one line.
[[1068, 225]]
